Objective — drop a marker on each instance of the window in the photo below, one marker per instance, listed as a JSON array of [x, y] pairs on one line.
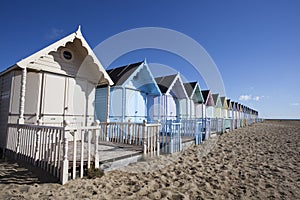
[[67, 54]]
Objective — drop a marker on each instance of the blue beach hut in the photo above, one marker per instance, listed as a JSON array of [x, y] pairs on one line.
[[132, 95]]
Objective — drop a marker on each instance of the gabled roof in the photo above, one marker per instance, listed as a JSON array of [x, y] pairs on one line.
[[120, 74], [208, 100], [229, 104], [233, 105], [191, 90], [205, 94], [25, 63], [167, 84], [224, 102], [217, 100], [215, 97]]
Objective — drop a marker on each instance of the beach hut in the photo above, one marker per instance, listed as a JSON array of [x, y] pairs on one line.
[[233, 114], [208, 102], [131, 96], [193, 124], [53, 85], [173, 101], [216, 120], [207, 111], [228, 114], [195, 101], [218, 106], [224, 109], [240, 109]]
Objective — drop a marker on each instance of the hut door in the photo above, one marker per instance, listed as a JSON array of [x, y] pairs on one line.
[[79, 103], [53, 99]]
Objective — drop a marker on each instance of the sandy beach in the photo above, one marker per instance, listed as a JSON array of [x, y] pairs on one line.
[[257, 162]]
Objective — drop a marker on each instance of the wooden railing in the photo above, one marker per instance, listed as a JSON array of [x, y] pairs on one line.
[[170, 137], [192, 128], [58, 149], [39, 145], [140, 134]]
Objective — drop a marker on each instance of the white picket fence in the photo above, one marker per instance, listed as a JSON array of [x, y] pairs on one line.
[[65, 152]]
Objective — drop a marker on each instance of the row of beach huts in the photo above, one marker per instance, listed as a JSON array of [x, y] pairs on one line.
[[59, 108]]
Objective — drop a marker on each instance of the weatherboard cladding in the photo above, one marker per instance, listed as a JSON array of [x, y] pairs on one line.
[[5, 90], [194, 104], [174, 99], [55, 86], [101, 99], [132, 93]]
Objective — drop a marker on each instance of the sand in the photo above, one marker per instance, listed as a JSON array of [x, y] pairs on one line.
[[257, 162]]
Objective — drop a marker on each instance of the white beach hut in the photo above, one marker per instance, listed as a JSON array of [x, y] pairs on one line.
[[53, 85], [195, 100], [174, 98]]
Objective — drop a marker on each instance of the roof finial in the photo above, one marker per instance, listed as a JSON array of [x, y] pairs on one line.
[[78, 32]]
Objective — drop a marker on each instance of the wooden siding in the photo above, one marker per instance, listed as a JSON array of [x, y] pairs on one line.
[[15, 97], [54, 61], [53, 98], [5, 93], [136, 106], [116, 104], [101, 104]]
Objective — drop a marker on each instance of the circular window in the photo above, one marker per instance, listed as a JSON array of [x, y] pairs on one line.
[[67, 54]]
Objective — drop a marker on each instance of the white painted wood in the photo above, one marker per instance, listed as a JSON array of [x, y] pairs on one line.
[[53, 95], [82, 153], [22, 95]]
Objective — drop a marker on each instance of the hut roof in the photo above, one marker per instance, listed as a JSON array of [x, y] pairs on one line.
[[207, 97], [120, 74], [138, 75], [172, 84], [193, 91], [165, 82], [28, 61]]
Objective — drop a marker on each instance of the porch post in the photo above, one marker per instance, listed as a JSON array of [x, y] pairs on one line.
[[107, 112], [145, 137], [22, 96], [97, 134], [65, 163], [123, 104], [107, 102], [21, 108]]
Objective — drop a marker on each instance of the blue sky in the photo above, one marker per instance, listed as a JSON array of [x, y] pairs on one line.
[[254, 43]]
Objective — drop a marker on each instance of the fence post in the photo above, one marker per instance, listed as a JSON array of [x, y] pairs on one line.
[[128, 136], [97, 133], [18, 141], [37, 145], [65, 162], [145, 137], [157, 137]]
